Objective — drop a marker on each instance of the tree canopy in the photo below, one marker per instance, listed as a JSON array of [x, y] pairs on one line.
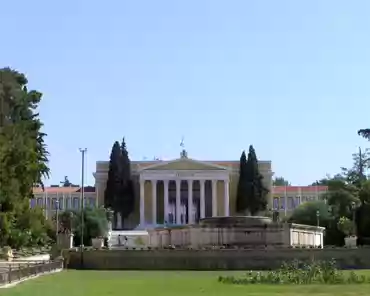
[[280, 181], [23, 159]]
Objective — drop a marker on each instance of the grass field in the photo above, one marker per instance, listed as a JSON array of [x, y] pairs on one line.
[[157, 283]]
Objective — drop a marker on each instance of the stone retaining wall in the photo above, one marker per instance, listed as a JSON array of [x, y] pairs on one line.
[[250, 259]]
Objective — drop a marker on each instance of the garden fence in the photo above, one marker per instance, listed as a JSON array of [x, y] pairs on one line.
[[15, 272]]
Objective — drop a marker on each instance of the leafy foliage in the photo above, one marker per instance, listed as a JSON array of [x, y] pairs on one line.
[[280, 181], [95, 224], [299, 273], [365, 133], [306, 213], [23, 161], [346, 225]]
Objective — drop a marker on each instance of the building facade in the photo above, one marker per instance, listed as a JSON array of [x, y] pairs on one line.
[[287, 198], [181, 191], [65, 198]]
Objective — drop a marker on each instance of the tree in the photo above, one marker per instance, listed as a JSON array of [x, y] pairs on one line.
[[280, 181], [306, 213], [365, 133], [23, 160], [241, 195], [112, 190], [127, 200], [256, 192], [361, 163], [119, 192], [95, 224]]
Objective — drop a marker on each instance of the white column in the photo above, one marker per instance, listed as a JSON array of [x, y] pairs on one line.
[[190, 202], [154, 201], [202, 199], [178, 202], [165, 201], [214, 198], [226, 198], [142, 203]]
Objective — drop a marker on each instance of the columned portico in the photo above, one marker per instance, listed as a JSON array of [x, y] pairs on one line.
[[181, 191], [188, 201]]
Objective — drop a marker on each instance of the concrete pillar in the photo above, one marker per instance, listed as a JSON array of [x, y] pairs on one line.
[[202, 199], [154, 201], [142, 202], [190, 202], [214, 198], [226, 198], [165, 201], [178, 202]]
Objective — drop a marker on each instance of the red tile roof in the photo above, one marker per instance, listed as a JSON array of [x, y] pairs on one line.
[[62, 190]]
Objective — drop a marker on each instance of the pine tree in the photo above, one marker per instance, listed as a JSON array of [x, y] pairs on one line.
[[111, 194], [241, 196], [256, 192]]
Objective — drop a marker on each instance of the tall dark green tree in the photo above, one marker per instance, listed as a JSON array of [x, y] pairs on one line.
[[23, 158], [126, 201], [256, 192], [113, 187], [242, 194]]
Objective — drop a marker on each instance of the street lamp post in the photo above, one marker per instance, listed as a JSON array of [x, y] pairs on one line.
[[57, 220], [354, 207], [318, 218], [83, 151]]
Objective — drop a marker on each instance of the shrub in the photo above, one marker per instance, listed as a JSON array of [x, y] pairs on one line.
[[346, 226], [299, 273]]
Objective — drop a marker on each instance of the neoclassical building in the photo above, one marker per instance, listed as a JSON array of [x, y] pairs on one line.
[[181, 191]]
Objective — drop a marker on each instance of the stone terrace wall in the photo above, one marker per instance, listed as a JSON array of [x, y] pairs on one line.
[[251, 259]]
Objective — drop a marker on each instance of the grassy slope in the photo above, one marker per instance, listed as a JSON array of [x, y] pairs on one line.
[[102, 283]]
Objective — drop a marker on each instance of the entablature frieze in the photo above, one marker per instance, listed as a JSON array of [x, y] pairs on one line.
[[184, 175]]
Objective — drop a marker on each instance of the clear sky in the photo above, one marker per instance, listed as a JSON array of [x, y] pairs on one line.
[[289, 77]]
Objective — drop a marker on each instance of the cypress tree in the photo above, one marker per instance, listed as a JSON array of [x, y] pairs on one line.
[[126, 201], [241, 195], [255, 191], [111, 194]]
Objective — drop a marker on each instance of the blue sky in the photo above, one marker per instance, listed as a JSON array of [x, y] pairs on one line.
[[289, 77]]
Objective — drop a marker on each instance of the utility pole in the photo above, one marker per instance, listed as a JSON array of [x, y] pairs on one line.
[[83, 151]]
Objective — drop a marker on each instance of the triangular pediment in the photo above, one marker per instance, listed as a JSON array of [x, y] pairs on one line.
[[184, 164]]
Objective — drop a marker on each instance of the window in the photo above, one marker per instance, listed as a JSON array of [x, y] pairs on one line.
[[54, 203], [276, 203], [32, 203], [297, 201], [39, 202], [76, 203], [67, 205]]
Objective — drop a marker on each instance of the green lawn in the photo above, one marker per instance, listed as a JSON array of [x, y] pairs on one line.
[[157, 283]]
